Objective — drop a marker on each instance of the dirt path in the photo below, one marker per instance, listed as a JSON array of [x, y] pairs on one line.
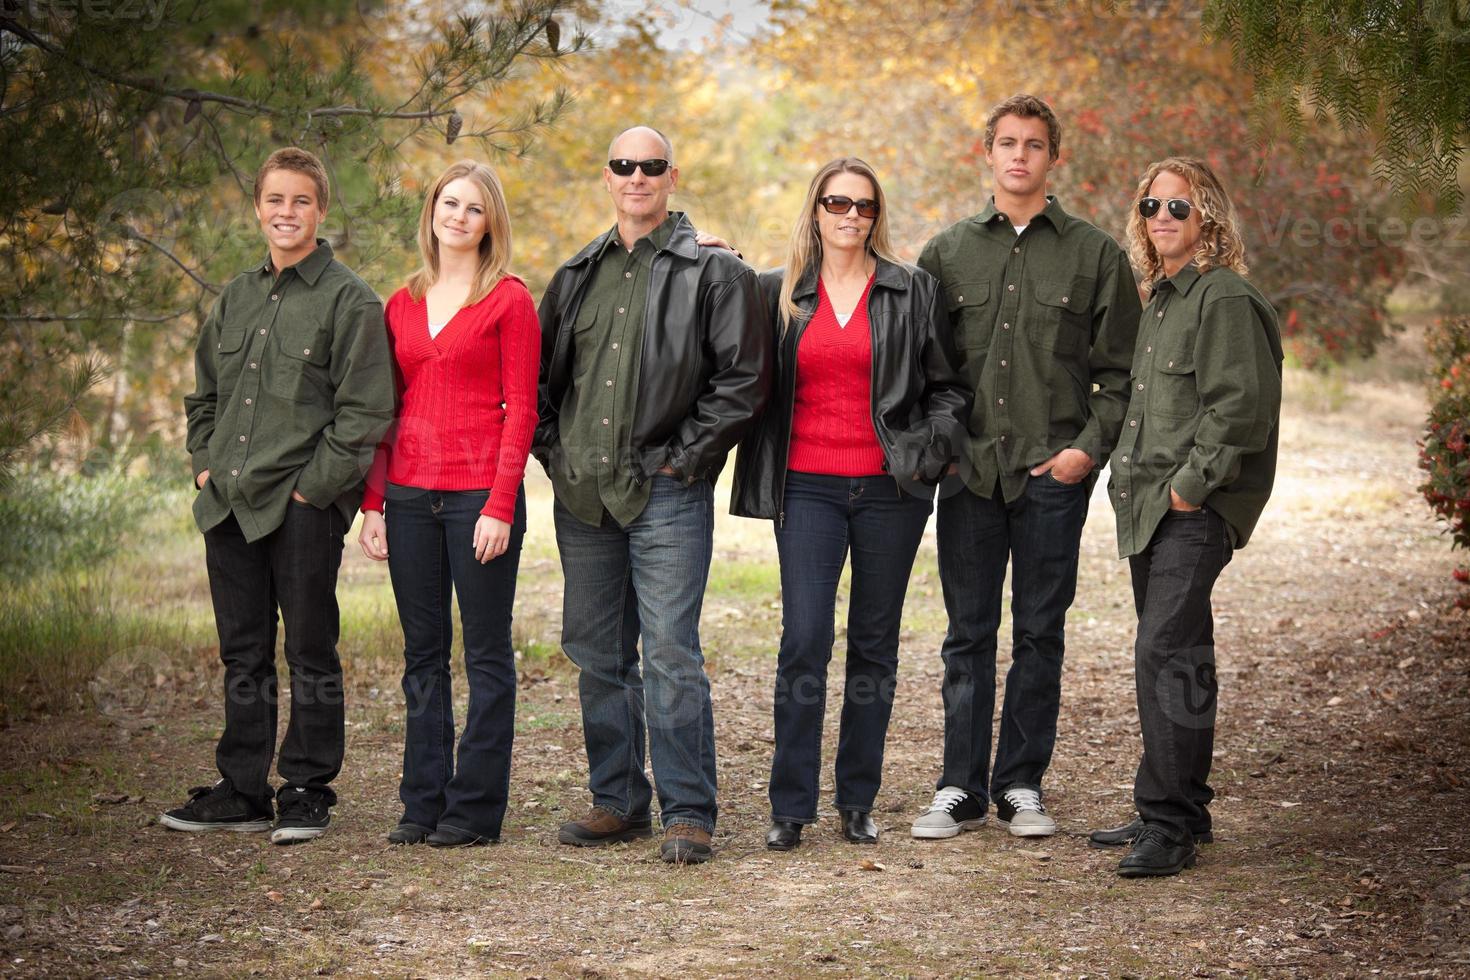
[[1341, 771]]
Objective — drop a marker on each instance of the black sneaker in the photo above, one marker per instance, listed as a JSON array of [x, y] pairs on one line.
[[952, 811], [303, 816], [218, 807]]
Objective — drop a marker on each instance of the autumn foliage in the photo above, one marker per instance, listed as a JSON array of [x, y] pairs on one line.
[[1445, 452]]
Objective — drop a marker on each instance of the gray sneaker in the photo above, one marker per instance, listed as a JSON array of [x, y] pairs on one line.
[[953, 810], [1020, 811]]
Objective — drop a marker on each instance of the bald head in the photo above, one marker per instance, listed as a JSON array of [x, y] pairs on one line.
[[626, 143]]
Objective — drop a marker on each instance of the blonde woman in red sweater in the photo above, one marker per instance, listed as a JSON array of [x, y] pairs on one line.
[[445, 507], [867, 413]]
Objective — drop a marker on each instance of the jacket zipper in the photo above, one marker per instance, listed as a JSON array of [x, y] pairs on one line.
[[799, 329]]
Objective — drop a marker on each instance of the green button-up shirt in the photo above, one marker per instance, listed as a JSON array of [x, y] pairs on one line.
[[293, 389], [1044, 323], [597, 415], [1206, 397]]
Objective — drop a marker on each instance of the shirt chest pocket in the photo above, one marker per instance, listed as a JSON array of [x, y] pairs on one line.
[[299, 371], [227, 359], [1175, 391], [971, 315], [1062, 320]]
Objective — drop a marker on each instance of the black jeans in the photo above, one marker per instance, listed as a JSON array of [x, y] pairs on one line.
[[431, 556], [826, 516], [1039, 534], [293, 568], [1174, 666]]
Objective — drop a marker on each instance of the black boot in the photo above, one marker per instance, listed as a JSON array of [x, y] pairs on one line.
[[858, 827], [783, 836]]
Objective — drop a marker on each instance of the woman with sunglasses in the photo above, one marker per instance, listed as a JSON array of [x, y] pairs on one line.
[[444, 504], [866, 414], [1190, 476]]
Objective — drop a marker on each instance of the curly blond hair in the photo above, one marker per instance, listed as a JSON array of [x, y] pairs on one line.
[[1220, 242]]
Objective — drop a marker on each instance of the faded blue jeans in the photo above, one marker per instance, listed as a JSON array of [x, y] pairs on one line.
[[645, 580]]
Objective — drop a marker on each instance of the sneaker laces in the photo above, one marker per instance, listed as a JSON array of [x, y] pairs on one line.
[[947, 799], [1024, 799]]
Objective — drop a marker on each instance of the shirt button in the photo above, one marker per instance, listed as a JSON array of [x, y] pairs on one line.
[[1005, 326], [234, 472], [1149, 349], [1133, 423], [1123, 494], [1064, 299], [1161, 314], [615, 346], [1016, 250], [306, 352], [1002, 363], [252, 365], [620, 309], [604, 422], [1011, 288], [242, 438], [1171, 364], [627, 275], [1000, 401], [608, 382], [1125, 459], [604, 459], [1003, 438], [247, 401], [959, 299], [262, 331], [274, 297], [1140, 384]]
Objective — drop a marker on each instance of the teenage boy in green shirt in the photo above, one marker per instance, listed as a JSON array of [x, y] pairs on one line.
[[1190, 477], [293, 389], [1045, 311]]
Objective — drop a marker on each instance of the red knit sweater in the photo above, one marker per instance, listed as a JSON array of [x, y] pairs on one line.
[[466, 399], [832, 418]]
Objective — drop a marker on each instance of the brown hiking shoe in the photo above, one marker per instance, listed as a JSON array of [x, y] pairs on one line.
[[684, 844], [600, 828]]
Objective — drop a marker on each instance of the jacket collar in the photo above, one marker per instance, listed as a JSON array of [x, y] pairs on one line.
[[1053, 212], [888, 276], [309, 268], [680, 241]]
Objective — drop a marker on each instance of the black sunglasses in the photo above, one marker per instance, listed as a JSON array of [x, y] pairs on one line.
[[1179, 208], [837, 204], [624, 167]]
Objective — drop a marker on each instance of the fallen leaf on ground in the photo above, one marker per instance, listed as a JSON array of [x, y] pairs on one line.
[[869, 864], [274, 896], [411, 891]]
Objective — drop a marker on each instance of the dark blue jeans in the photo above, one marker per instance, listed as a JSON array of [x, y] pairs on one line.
[[826, 517], [644, 580], [1174, 666], [1039, 535], [293, 568], [430, 557]]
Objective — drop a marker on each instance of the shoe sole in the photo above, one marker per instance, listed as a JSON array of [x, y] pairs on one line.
[[201, 827], [296, 835], [622, 837], [782, 847], [1172, 869], [942, 833], [1028, 831]]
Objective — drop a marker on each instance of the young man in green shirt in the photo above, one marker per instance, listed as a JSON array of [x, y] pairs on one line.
[[293, 388], [1045, 310], [1190, 477]]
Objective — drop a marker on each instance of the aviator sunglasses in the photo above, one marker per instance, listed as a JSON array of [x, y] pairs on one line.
[[837, 204], [1179, 208], [624, 167]]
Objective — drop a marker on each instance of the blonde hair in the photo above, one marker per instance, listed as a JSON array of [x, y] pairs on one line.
[[804, 251], [494, 247], [1220, 242]]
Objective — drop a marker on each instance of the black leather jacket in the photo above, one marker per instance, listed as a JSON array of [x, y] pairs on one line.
[[920, 402], [705, 371]]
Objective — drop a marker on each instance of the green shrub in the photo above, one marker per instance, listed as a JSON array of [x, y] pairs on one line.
[[1445, 452], [56, 523]]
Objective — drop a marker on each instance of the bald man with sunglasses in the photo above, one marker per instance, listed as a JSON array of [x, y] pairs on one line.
[[655, 360]]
